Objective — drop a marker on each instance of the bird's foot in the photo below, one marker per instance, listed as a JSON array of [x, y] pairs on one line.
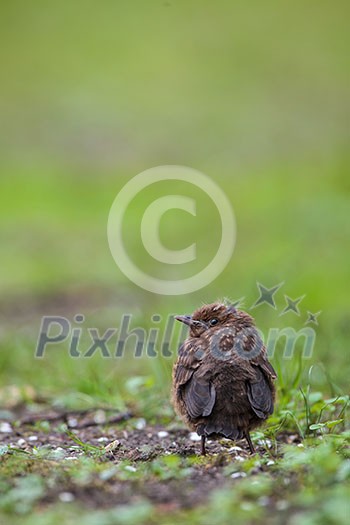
[[250, 443], [203, 451]]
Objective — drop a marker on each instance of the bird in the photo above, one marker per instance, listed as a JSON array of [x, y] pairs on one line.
[[223, 383]]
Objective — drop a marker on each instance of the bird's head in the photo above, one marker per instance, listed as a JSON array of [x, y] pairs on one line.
[[211, 317]]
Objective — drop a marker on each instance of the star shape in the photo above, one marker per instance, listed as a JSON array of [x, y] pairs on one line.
[[292, 306], [237, 303], [266, 295], [312, 318]]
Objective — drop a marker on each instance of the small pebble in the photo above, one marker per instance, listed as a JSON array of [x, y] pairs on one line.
[[72, 421], [130, 468], [100, 417], [163, 434], [66, 497], [238, 475], [102, 439], [235, 449], [5, 427], [58, 453], [270, 462], [33, 438], [265, 443], [194, 436], [112, 446], [140, 424], [21, 442]]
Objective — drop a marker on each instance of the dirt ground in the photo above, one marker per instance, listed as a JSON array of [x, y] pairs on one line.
[[123, 438]]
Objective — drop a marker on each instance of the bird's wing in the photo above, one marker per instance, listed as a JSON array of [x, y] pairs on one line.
[[188, 361], [260, 393], [194, 386], [199, 396], [252, 343], [262, 361], [260, 389]]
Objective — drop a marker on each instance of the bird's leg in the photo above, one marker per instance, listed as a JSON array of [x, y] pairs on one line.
[[203, 452], [249, 441]]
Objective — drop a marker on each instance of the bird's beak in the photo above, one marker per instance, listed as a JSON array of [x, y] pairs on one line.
[[187, 319]]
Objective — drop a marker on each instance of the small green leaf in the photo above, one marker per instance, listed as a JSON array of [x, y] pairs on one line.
[[314, 397], [331, 424], [317, 426]]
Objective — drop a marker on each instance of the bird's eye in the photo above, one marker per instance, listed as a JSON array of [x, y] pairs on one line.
[[213, 322]]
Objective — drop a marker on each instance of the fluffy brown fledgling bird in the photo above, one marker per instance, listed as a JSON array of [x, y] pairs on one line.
[[222, 379]]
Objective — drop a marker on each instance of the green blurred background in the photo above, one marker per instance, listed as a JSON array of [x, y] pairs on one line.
[[255, 95]]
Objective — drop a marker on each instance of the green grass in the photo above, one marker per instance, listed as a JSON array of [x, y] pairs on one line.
[[306, 482]]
